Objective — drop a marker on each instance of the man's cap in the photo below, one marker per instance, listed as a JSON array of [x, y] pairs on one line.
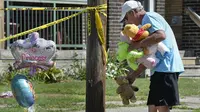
[[129, 5]]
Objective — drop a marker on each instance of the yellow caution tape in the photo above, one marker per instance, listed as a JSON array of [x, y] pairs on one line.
[[99, 27], [100, 33], [103, 13], [41, 27], [56, 8], [104, 6], [98, 23]]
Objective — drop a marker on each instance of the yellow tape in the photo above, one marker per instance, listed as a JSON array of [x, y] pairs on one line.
[[104, 6], [98, 23], [100, 33], [99, 27], [41, 27], [103, 13]]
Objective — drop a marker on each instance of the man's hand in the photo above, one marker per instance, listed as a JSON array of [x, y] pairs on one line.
[[133, 75], [131, 78]]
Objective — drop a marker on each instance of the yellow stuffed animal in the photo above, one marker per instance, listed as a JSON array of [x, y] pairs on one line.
[[135, 33]]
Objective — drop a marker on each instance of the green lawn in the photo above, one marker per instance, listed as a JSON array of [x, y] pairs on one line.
[[65, 96]]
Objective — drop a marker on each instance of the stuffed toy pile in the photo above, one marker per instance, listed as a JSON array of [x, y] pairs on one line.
[[126, 91], [146, 56]]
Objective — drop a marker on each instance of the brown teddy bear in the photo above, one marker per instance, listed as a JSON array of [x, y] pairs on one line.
[[126, 91]]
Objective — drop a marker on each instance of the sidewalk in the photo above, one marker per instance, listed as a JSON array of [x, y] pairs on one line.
[[140, 109], [137, 109], [187, 102]]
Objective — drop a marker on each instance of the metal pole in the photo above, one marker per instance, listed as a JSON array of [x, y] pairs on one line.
[[2, 23], [95, 69]]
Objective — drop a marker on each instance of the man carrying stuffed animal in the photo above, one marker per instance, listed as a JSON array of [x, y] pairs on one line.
[[134, 57], [163, 92]]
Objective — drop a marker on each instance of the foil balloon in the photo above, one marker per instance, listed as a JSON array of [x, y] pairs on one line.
[[33, 52], [23, 91]]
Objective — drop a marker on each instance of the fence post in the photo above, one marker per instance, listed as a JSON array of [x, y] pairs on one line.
[[2, 23], [95, 69]]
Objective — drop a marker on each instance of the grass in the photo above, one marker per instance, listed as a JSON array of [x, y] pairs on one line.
[[65, 96]]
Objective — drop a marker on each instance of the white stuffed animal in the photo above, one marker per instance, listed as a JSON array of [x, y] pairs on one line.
[[150, 60]]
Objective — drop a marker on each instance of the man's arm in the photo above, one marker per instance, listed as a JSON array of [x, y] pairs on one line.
[[154, 38], [133, 75]]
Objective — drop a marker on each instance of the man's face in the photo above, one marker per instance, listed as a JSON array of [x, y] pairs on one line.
[[131, 18]]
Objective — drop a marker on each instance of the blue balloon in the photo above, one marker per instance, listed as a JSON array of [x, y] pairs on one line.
[[23, 91]]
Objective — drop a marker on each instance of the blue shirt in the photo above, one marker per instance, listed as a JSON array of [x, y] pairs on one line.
[[171, 61]]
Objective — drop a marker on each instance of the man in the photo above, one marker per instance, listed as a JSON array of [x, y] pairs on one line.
[[163, 92]]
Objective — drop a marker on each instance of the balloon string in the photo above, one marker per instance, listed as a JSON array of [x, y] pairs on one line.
[[32, 70]]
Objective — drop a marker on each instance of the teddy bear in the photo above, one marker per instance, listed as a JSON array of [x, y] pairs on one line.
[[148, 59], [126, 91]]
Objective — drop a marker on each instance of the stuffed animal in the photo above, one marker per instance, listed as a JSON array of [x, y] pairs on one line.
[[126, 91], [131, 56], [135, 33], [149, 59]]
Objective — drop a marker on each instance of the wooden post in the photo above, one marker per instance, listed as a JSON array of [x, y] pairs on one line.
[[1, 23], [95, 70]]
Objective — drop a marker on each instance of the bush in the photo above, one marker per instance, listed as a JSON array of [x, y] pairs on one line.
[[115, 68], [51, 75], [77, 69]]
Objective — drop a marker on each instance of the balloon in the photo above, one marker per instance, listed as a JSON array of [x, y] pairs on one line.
[[23, 91], [33, 52]]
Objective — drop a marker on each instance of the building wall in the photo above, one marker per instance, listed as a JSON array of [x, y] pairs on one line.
[[191, 32], [160, 7], [173, 15], [113, 24]]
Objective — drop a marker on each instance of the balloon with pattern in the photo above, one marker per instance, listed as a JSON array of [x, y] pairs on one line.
[[23, 91]]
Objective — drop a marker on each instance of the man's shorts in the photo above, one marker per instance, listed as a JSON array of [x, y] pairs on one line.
[[164, 89]]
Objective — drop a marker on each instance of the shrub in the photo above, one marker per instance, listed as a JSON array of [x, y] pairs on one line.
[[115, 68], [51, 75], [77, 69]]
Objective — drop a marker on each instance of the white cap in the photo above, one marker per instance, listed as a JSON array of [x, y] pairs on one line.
[[129, 5]]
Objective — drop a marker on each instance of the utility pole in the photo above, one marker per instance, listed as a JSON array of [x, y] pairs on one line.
[[2, 23], [95, 67]]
